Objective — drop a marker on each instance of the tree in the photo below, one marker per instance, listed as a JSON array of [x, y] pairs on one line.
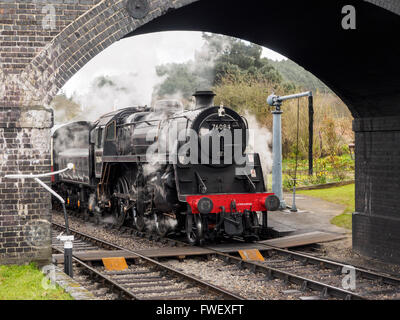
[[220, 56], [64, 109], [178, 79]]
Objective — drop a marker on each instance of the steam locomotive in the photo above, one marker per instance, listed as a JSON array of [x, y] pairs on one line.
[[166, 169]]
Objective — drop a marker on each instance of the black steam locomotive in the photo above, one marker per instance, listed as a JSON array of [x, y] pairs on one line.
[[166, 169]]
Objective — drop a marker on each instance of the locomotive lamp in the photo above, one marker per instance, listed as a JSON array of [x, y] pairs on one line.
[[276, 102], [67, 239]]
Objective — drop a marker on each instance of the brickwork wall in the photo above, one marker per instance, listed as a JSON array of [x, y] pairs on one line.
[[24, 205], [22, 35], [376, 224]]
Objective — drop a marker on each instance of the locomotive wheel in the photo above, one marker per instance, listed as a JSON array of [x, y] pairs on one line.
[[161, 225], [120, 213], [140, 209], [194, 223], [120, 205], [138, 221], [86, 215], [97, 218]]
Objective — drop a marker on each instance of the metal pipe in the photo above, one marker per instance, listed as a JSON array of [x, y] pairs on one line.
[[274, 100], [68, 239], [50, 190], [70, 166]]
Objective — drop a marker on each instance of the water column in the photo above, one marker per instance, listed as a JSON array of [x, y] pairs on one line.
[[277, 156], [276, 101]]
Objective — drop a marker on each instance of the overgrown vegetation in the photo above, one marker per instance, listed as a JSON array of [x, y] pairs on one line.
[[25, 283], [221, 57], [332, 120]]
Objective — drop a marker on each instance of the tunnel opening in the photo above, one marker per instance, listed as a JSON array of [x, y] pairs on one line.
[[359, 72], [362, 71]]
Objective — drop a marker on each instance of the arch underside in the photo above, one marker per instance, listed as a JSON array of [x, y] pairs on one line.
[[359, 65]]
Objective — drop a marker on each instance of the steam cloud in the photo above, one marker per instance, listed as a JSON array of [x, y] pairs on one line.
[[260, 142], [108, 93]]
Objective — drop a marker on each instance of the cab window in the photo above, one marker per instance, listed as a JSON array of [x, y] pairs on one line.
[[111, 131], [99, 138]]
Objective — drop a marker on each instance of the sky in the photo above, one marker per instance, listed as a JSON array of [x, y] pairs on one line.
[[140, 55]]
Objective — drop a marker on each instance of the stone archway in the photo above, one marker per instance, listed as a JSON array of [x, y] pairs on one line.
[[362, 70]]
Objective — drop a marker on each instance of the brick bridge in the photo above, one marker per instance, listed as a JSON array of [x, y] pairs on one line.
[[44, 43]]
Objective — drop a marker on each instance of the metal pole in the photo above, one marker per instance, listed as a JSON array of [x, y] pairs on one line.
[[68, 246], [294, 208], [310, 134], [277, 156]]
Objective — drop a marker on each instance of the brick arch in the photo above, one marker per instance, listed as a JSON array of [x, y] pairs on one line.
[[370, 91], [105, 23], [101, 26]]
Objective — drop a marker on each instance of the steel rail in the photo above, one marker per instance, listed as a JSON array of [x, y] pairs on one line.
[[336, 265], [110, 283], [206, 285], [289, 277]]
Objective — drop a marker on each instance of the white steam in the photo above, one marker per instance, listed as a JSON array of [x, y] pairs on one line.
[[260, 142], [109, 93], [130, 65]]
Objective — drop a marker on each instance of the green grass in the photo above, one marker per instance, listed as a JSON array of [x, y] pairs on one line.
[[25, 283], [342, 195]]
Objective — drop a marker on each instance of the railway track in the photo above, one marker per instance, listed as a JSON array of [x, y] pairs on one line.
[[145, 278], [305, 273], [367, 283]]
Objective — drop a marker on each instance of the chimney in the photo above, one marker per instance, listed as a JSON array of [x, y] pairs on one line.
[[204, 99]]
